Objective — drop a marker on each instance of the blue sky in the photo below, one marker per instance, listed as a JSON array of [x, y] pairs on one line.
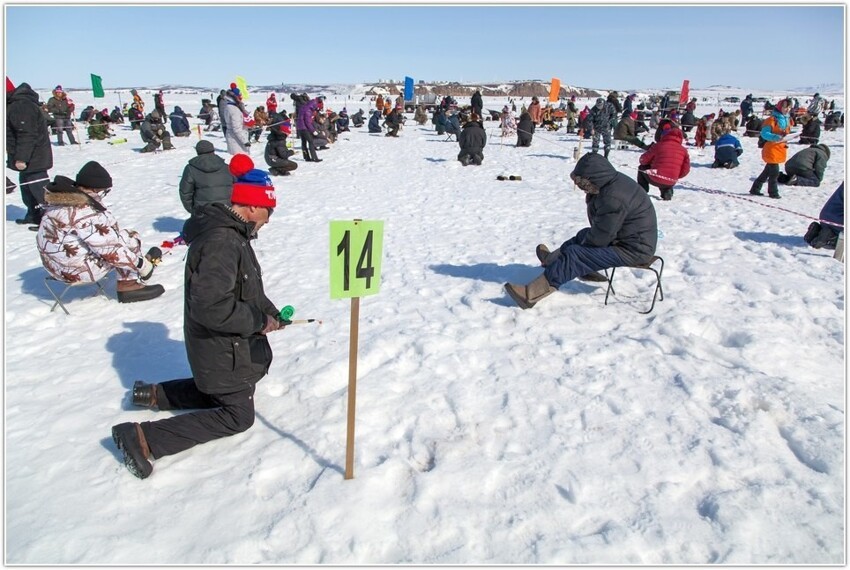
[[617, 47]]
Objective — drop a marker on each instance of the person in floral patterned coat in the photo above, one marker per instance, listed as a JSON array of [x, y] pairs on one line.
[[79, 240]]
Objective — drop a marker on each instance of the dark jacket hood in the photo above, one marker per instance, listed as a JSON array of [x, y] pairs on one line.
[[23, 91], [208, 162], [213, 216], [597, 169]]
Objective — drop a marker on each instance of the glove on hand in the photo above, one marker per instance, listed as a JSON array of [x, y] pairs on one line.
[[145, 268], [272, 324]]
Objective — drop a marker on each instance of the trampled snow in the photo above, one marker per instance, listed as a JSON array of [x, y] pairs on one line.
[[709, 431]]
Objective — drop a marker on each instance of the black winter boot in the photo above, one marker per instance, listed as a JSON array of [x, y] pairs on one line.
[[144, 395], [526, 296], [812, 232]]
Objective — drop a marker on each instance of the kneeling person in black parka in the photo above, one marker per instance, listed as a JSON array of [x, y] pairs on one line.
[[524, 130], [277, 154], [472, 140]]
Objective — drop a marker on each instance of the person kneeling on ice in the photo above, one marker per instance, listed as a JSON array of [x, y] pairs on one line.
[[472, 140], [525, 130], [79, 239], [623, 231], [154, 133], [225, 322], [180, 123], [806, 167], [375, 122], [664, 163], [727, 149], [277, 154], [98, 129]]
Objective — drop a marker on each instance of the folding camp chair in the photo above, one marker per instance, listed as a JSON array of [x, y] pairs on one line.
[[66, 286]]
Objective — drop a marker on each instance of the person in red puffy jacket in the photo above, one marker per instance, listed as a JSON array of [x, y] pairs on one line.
[[664, 163]]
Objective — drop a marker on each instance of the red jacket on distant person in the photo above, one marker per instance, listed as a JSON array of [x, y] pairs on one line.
[[668, 159], [271, 104]]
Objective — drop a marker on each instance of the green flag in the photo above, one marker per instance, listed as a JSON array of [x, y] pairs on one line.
[[97, 85]]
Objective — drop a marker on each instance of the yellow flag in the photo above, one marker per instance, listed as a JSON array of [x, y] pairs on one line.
[[555, 90], [243, 87]]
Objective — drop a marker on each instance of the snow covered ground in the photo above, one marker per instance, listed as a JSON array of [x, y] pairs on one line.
[[709, 431]]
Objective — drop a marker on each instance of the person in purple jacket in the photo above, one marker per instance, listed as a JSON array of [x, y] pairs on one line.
[[307, 130]]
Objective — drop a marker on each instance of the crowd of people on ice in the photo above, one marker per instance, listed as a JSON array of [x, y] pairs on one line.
[[80, 241]]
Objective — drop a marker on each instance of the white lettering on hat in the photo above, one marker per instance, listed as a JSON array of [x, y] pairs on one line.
[[271, 195]]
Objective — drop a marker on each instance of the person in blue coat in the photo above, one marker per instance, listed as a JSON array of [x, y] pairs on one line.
[[453, 124], [342, 121], [746, 108], [375, 121], [825, 235], [179, 123], [440, 121], [727, 149]]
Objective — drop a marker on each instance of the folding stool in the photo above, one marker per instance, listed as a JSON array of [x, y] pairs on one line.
[[67, 286], [648, 266]]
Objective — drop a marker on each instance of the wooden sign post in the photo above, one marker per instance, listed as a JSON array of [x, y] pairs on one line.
[[355, 250]]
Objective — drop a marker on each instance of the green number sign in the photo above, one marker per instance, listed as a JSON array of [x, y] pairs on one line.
[[356, 248]]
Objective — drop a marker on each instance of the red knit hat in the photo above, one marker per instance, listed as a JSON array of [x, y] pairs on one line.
[[254, 188], [240, 164]]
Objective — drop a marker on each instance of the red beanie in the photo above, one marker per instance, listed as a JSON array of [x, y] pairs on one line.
[[233, 86], [254, 188], [240, 164]]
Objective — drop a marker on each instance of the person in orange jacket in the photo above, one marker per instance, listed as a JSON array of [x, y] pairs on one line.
[[775, 150]]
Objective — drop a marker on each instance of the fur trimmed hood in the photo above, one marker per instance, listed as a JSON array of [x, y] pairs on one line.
[[64, 193]]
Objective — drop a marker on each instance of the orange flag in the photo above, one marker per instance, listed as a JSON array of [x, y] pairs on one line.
[[555, 90]]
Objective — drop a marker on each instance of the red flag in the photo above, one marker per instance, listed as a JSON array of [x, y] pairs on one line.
[[9, 85], [683, 98]]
